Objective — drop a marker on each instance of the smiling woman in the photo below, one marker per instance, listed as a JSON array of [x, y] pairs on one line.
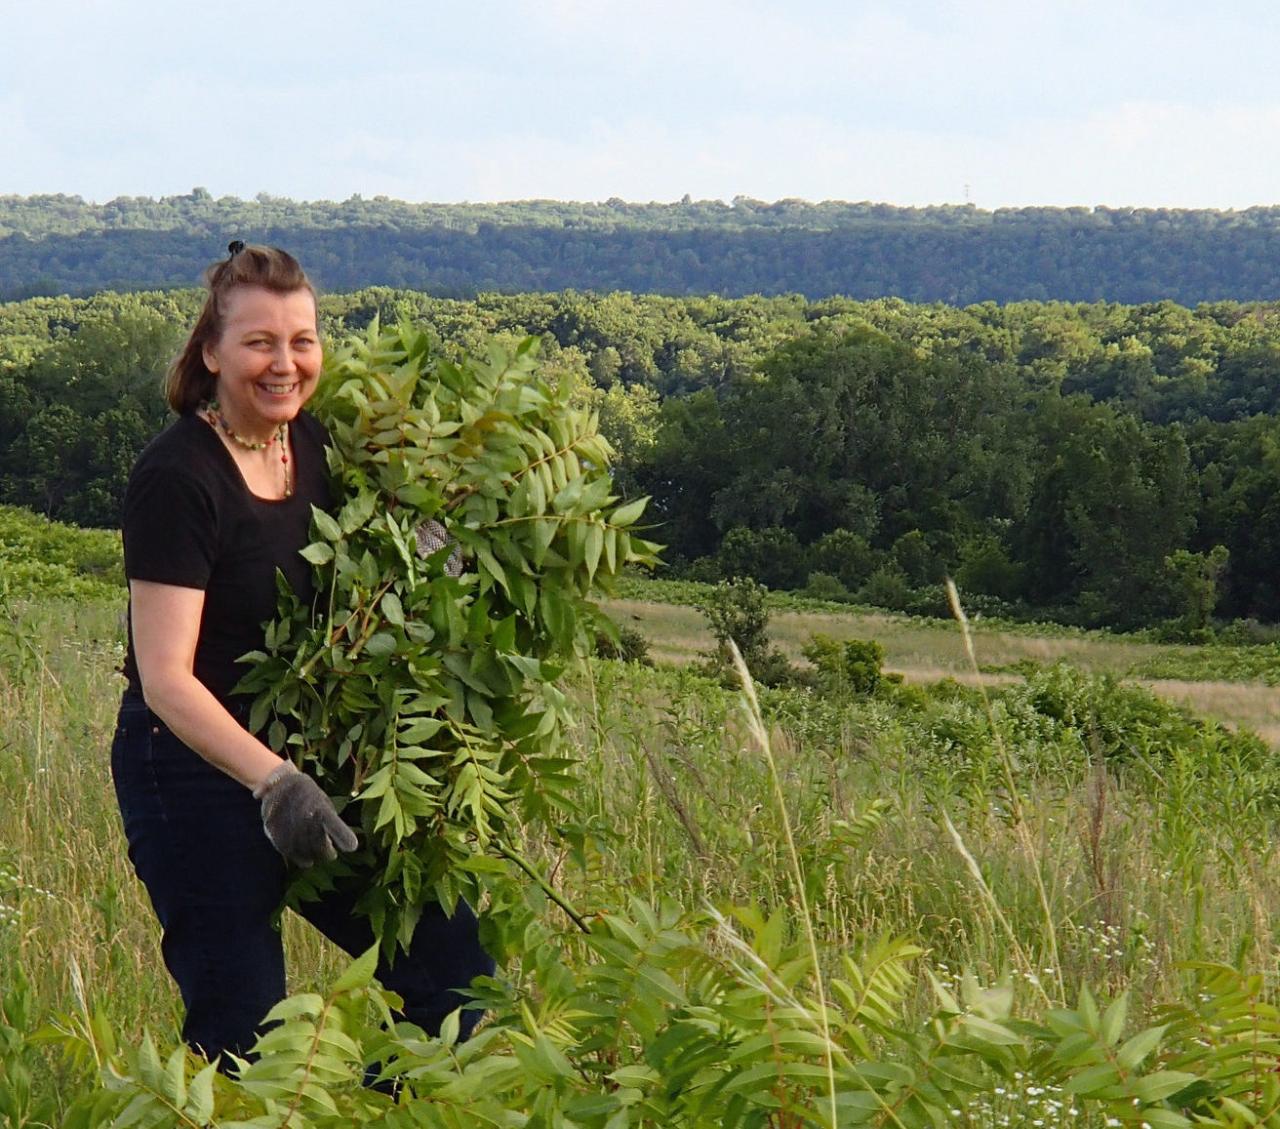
[[265, 365], [216, 507]]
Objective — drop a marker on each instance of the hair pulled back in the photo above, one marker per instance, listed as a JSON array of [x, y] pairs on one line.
[[188, 383]]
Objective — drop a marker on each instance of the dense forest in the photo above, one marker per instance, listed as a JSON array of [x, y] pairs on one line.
[[952, 253], [1095, 463]]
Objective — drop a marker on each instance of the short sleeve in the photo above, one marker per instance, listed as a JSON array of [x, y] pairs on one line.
[[169, 528]]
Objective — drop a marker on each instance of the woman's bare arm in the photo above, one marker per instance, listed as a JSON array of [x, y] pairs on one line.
[[166, 624]]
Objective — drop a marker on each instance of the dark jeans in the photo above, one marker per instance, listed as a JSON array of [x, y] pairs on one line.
[[196, 842]]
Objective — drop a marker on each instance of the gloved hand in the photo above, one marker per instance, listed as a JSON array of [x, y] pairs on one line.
[[300, 819], [432, 538]]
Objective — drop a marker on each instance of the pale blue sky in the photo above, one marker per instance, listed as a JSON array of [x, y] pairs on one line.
[[1174, 103]]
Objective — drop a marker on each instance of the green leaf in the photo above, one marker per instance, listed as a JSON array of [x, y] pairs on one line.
[[569, 495], [449, 1028], [259, 713], [1092, 1079], [1165, 1119], [490, 564], [174, 1085], [303, 1004], [317, 553], [594, 546], [357, 511], [200, 1095], [420, 729], [1113, 1020], [140, 1106], [392, 609], [628, 514], [991, 1032], [544, 532], [325, 525], [1155, 1087], [359, 973], [1132, 1053], [636, 1076]]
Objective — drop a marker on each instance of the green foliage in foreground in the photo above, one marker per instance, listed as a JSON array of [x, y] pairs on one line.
[[663, 1027], [1157, 871], [703, 1018]]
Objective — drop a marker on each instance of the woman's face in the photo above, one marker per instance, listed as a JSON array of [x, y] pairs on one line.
[[267, 361]]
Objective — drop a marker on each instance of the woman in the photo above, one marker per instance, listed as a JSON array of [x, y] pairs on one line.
[[215, 505]]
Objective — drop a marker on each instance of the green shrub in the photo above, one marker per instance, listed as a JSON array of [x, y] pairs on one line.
[[39, 557], [427, 701], [847, 556], [851, 666], [1181, 630], [985, 569], [824, 586], [736, 612], [705, 570], [887, 587], [624, 643], [1249, 633]]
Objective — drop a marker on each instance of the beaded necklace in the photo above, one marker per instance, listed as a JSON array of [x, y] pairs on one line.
[[218, 421]]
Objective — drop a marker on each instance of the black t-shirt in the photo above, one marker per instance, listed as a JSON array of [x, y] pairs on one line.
[[191, 521]]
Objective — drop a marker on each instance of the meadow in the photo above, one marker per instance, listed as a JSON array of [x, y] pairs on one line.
[[1072, 830], [1231, 684]]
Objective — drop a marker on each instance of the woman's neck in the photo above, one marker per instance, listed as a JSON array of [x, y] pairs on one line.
[[266, 466]]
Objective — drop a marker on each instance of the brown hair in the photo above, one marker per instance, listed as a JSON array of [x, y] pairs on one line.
[[188, 383]]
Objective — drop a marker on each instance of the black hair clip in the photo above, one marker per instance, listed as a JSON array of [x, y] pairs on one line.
[[234, 248]]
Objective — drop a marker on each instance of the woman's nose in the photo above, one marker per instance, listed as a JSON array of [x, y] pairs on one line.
[[283, 360]]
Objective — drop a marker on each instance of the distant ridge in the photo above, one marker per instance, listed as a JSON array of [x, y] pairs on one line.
[[958, 254]]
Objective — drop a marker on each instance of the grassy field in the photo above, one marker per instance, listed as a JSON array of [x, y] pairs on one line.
[[70, 906], [924, 651], [1113, 842]]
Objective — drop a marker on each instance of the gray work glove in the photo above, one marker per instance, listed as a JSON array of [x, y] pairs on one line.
[[300, 819], [431, 539]]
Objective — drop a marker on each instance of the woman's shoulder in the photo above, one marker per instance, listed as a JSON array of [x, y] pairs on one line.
[[179, 445], [180, 462]]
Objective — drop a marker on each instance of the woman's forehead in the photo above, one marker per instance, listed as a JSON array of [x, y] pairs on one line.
[[248, 306]]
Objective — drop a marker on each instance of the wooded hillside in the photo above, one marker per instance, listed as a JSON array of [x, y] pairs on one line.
[[950, 253]]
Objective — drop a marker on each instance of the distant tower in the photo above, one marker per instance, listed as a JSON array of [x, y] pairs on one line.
[[968, 195]]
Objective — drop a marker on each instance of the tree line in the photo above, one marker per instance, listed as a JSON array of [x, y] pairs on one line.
[[957, 254], [1095, 463]]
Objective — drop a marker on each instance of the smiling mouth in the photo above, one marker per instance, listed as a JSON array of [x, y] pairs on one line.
[[279, 389]]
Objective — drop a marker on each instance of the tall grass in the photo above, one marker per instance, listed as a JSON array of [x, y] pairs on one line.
[[1104, 859], [1107, 875], [70, 905]]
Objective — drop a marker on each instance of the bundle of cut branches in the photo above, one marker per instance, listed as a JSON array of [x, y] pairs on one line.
[[421, 690]]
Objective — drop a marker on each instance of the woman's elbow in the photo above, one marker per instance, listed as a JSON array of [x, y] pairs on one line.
[[163, 690]]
